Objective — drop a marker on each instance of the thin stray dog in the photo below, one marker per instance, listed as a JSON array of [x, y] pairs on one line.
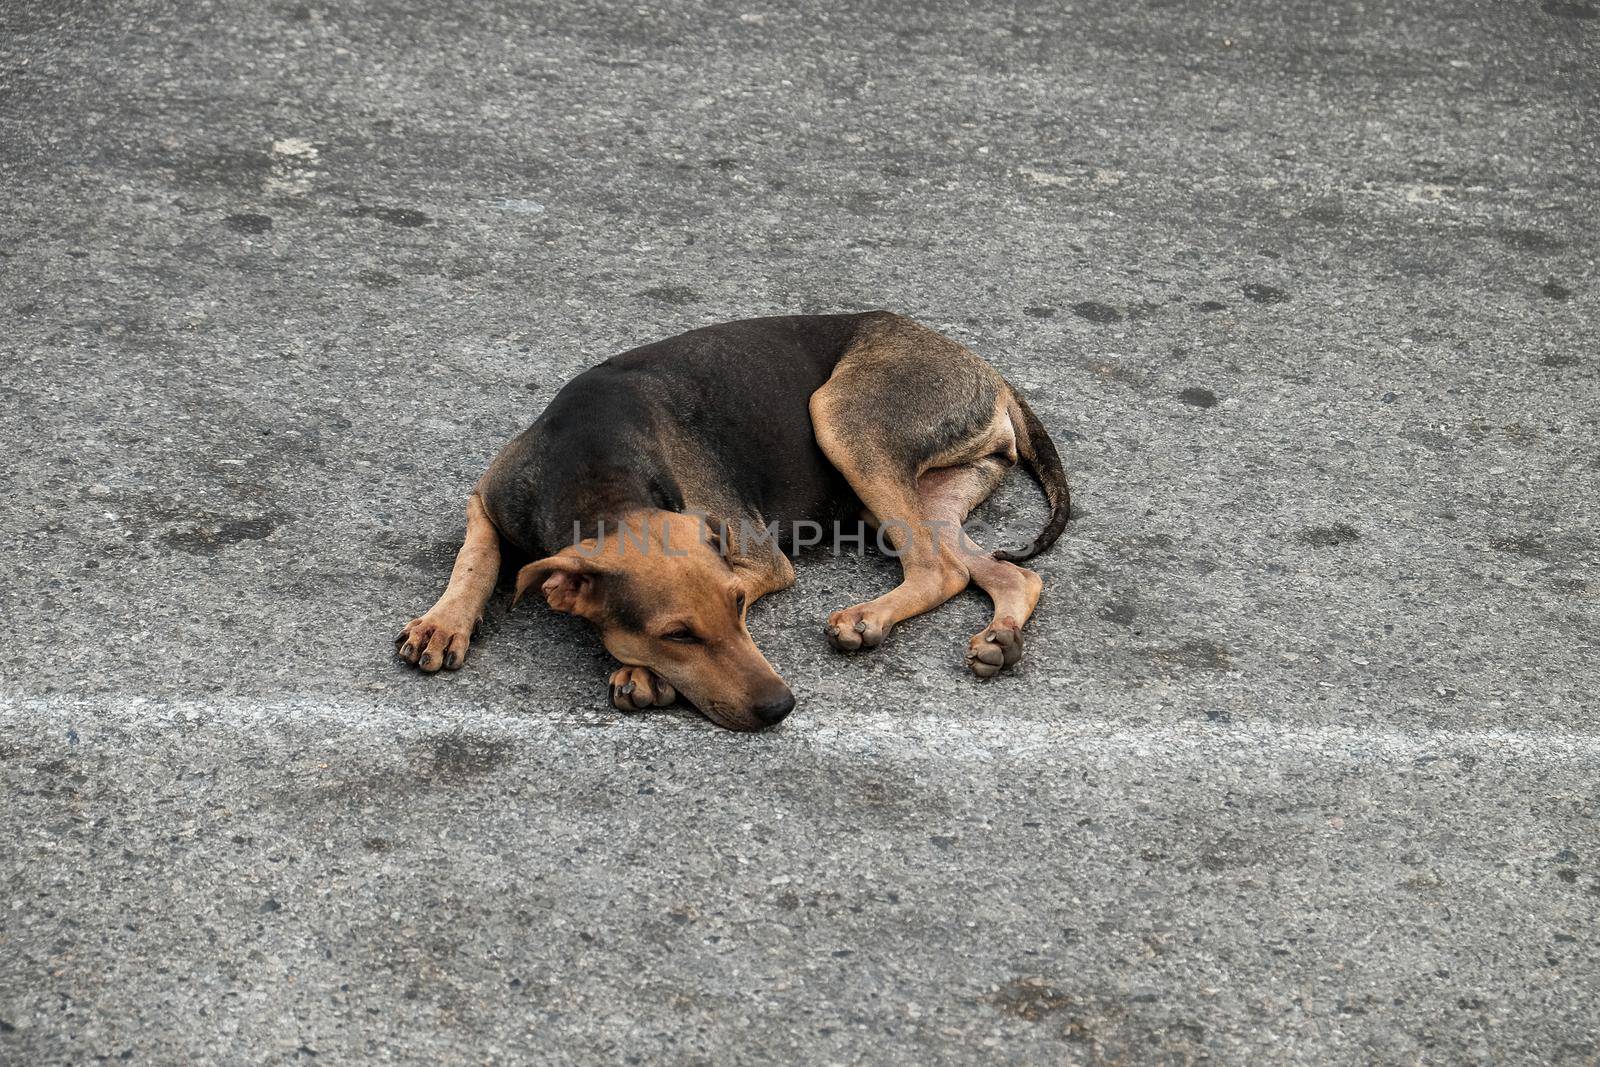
[[625, 489]]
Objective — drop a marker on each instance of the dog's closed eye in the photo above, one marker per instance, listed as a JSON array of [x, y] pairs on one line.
[[681, 634]]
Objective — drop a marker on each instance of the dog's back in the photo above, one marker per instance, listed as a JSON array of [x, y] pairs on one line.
[[718, 413]]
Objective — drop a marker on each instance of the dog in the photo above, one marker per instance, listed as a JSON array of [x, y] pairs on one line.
[[653, 492]]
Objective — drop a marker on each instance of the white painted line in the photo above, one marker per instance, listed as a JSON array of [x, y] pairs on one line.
[[992, 735]]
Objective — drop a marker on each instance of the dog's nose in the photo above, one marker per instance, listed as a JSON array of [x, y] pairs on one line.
[[775, 711]]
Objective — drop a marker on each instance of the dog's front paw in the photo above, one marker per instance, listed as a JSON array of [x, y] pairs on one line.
[[637, 688], [856, 629], [998, 647], [436, 640]]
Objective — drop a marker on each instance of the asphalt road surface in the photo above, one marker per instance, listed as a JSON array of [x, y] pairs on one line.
[[1302, 764]]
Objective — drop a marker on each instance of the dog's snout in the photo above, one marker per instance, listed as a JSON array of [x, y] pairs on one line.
[[775, 711]]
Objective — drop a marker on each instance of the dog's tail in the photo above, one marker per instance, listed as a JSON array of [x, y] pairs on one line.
[[1039, 455]]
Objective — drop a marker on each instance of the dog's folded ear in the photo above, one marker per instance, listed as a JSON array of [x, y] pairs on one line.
[[570, 583]]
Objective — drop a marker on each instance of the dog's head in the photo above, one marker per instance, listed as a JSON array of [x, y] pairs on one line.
[[663, 597]]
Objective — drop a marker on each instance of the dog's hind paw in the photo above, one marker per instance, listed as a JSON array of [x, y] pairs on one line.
[[855, 630], [637, 688], [998, 647]]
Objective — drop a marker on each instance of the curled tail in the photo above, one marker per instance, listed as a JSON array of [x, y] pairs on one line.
[[1039, 455]]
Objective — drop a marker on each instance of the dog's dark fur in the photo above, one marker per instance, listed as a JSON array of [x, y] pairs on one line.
[[736, 393], [798, 419]]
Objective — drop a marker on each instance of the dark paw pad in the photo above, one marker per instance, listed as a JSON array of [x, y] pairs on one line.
[[852, 630], [995, 649]]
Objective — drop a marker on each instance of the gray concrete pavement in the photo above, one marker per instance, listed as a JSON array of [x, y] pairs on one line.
[[1301, 765]]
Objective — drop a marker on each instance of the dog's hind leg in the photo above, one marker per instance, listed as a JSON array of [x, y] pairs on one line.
[[1015, 592], [921, 536], [441, 637], [1013, 589], [923, 431]]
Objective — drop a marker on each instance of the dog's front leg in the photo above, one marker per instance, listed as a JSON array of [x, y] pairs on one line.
[[762, 573], [441, 637]]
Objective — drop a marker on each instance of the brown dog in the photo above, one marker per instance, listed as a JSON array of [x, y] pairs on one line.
[[661, 486]]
